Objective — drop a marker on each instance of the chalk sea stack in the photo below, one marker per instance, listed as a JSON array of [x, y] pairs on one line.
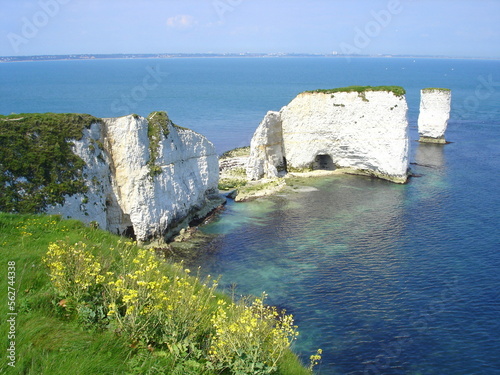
[[357, 129], [435, 107]]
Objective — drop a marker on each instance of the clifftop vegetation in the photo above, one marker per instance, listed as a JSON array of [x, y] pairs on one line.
[[434, 89], [396, 90], [237, 152], [37, 165]]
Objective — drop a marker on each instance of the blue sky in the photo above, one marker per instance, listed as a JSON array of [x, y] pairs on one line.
[[468, 28]]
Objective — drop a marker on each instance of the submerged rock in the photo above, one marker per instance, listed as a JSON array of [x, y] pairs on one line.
[[362, 130], [146, 178], [435, 106]]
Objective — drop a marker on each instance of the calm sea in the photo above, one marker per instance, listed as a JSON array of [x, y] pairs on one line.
[[385, 278]]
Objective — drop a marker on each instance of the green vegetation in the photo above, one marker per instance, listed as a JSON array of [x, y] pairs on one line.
[[264, 185], [237, 152], [158, 123], [37, 164], [260, 189], [233, 178], [86, 300], [300, 170], [435, 89], [181, 127], [231, 183], [396, 90]]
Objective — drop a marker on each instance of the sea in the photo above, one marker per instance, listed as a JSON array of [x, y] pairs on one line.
[[384, 278]]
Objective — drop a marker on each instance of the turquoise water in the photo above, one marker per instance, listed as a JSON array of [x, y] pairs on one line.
[[385, 278]]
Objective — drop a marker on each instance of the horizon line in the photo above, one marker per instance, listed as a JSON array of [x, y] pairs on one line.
[[86, 56]]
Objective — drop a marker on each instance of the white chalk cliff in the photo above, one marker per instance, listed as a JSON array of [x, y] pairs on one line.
[[143, 183], [435, 106], [363, 132], [266, 148]]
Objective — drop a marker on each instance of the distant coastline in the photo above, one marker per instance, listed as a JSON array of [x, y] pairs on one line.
[[211, 55]]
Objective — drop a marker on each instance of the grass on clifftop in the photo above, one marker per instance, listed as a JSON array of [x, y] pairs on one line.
[[396, 90], [87, 302], [37, 164], [237, 152], [435, 89]]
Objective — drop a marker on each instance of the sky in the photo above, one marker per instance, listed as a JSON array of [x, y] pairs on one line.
[[455, 28]]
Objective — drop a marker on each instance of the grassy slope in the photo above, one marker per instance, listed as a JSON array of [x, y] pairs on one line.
[[47, 342]]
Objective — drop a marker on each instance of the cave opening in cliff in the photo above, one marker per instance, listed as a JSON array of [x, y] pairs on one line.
[[323, 162], [130, 233]]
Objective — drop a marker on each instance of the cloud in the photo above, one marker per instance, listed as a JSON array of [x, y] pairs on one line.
[[181, 21]]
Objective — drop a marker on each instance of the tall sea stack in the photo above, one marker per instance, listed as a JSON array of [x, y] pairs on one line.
[[435, 106]]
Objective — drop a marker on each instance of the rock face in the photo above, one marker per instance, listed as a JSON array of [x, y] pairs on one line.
[[228, 164], [143, 182], [435, 106], [266, 148], [363, 131]]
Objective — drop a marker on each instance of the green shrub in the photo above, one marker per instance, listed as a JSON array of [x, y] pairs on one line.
[[168, 312], [73, 270], [250, 339]]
